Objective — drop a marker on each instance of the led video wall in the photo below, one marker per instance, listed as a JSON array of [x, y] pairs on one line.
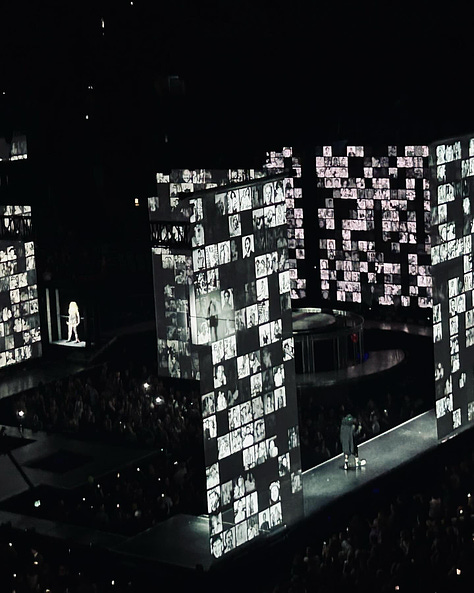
[[172, 272], [241, 323], [373, 210], [20, 337], [173, 328], [453, 306], [172, 264], [278, 162], [172, 187]]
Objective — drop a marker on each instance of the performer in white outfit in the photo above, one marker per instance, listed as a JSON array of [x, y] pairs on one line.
[[73, 321]]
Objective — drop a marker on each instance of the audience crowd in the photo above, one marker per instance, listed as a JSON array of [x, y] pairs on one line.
[[122, 406], [130, 407], [29, 564], [126, 502]]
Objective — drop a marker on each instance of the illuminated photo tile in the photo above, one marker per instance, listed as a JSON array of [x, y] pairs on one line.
[[215, 524], [213, 500], [275, 515], [391, 196], [223, 446], [212, 476], [257, 407], [248, 246], [259, 430], [229, 540], [452, 282], [208, 405]]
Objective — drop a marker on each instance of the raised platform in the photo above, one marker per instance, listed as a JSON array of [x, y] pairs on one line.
[[376, 363], [312, 321]]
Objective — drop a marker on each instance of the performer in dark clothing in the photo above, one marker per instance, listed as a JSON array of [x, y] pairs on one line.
[[350, 428]]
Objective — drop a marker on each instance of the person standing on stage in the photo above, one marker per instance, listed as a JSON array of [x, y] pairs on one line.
[[73, 321], [350, 429]]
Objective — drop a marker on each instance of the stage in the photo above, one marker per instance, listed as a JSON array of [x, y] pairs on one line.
[[183, 540]]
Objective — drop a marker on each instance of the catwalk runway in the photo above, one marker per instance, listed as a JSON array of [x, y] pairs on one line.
[[322, 486], [384, 454]]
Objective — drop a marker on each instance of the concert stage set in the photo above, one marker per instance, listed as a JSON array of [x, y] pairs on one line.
[[163, 544], [228, 265]]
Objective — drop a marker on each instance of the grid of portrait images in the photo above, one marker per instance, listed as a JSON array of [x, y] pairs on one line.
[[172, 274], [278, 162], [172, 267], [453, 306], [241, 318], [20, 337], [171, 187], [374, 225]]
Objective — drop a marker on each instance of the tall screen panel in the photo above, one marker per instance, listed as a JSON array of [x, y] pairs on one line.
[[453, 306], [172, 264], [172, 273], [289, 161], [242, 323], [20, 336], [373, 211]]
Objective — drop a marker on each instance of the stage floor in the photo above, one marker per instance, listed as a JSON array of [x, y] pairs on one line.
[[183, 541], [384, 454], [377, 362]]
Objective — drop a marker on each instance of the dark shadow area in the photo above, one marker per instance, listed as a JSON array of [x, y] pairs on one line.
[[8, 443], [60, 461]]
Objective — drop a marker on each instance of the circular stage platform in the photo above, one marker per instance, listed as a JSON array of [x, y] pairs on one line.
[[327, 340], [329, 349], [305, 320]]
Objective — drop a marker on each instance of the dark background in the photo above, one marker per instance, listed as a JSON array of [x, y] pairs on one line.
[[210, 84]]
